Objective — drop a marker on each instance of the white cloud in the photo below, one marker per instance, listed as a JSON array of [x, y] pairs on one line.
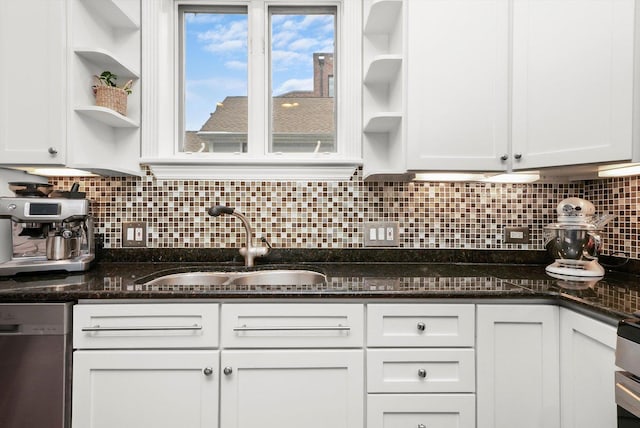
[[284, 58], [225, 46], [225, 38], [295, 85], [303, 44], [282, 38], [236, 65]]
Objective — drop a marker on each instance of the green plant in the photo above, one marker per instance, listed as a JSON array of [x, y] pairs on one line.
[[107, 78]]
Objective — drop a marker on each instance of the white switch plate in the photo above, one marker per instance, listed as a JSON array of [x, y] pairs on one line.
[[134, 234], [516, 235], [381, 234]]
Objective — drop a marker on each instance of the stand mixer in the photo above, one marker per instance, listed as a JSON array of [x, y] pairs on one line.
[[574, 241], [48, 234]]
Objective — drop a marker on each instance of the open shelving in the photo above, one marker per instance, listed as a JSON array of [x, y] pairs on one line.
[[383, 58]]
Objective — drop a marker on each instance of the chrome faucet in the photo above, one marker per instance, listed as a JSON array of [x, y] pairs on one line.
[[249, 252]]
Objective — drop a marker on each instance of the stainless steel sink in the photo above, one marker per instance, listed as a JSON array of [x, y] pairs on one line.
[[192, 278], [280, 277], [263, 277]]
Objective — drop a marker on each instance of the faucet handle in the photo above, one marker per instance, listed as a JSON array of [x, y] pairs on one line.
[[264, 241]]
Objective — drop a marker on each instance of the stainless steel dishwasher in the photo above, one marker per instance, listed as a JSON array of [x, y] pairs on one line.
[[35, 365]]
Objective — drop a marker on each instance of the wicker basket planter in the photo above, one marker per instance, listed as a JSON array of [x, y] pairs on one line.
[[113, 98]]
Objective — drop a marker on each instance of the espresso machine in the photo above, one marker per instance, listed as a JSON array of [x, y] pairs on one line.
[[48, 233]]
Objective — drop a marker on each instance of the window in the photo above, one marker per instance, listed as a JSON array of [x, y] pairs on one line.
[[303, 110], [252, 82], [214, 83]]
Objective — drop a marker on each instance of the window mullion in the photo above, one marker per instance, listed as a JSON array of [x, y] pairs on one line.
[[257, 105]]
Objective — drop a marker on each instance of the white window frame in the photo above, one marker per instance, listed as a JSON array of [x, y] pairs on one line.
[[161, 99]]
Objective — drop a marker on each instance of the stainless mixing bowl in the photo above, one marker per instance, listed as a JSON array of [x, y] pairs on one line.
[[572, 242]]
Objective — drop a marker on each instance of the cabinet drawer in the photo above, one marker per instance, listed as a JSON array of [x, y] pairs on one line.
[[421, 325], [420, 370], [427, 410], [292, 325], [162, 325]]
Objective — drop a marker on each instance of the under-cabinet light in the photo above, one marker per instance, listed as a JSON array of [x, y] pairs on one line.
[[57, 172], [621, 171], [528, 177], [448, 176]]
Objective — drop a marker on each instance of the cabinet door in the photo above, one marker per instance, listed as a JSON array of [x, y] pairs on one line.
[[134, 389], [292, 389], [572, 81], [587, 366], [457, 78], [32, 81], [518, 366]]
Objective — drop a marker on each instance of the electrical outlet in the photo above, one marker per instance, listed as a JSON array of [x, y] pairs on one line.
[[381, 234], [134, 234], [516, 235]]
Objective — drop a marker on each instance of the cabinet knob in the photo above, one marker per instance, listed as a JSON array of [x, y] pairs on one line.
[[421, 426], [504, 157], [421, 326], [208, 371], [52, 151], [422, 373], [518, 156], [227, 370]]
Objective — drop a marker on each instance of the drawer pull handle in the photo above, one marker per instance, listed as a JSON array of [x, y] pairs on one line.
[[422, 373], [294, 328], [144, 328], [421, 326]]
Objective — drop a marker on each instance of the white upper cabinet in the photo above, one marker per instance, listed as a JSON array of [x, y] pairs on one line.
[[572, 81], [457, 84], [32, 93], [500, 85], [48, 115]]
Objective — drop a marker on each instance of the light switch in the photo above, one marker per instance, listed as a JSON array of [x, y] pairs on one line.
[[134, 234], [373, 234], [380, 234]]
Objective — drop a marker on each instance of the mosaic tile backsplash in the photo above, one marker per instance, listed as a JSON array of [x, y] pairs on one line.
[[321, 214]]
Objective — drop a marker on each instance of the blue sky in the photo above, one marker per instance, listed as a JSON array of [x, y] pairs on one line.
[[216, 67]]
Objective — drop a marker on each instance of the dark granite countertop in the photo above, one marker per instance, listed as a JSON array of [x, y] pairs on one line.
[[614, 297]]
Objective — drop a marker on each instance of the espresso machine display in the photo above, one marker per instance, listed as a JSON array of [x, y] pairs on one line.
[[574, 241], [48, 234]]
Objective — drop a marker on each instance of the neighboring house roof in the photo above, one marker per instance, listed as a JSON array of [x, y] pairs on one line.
[[292, 114], [193, 142]]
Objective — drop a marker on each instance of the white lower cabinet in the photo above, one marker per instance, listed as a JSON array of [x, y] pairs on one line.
[[145, 365], [518, 375], [145, 388], [421, 366], [587, 365], [292, 365], [287, 365], [292, 388]]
